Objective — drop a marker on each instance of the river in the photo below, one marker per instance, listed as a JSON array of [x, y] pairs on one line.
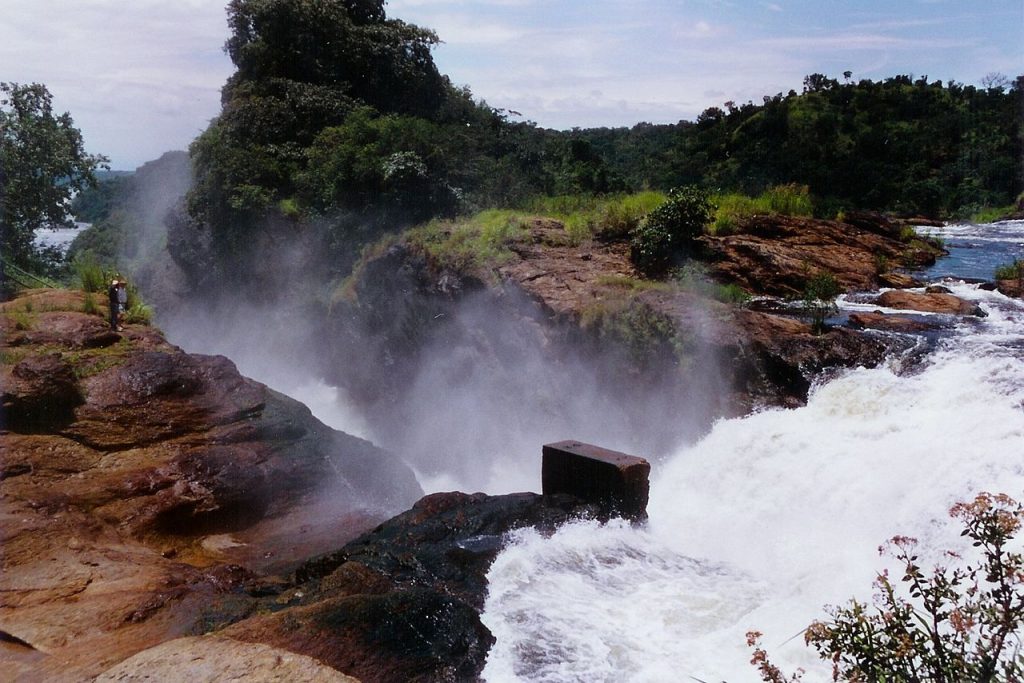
[[770, 517]]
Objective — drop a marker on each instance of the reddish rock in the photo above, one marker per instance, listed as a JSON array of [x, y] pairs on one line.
[[39, 393], [776, 254], [1011, 288], [136, 479], [892, 323], [928, 303]]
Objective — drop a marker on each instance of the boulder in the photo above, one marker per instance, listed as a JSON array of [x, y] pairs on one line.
[[617, 483], [928, 303], [892, 323], [212, 659], [39, 393], [776, 255]]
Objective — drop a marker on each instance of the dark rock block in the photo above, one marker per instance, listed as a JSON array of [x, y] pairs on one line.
[[616, 482], [39, 393]]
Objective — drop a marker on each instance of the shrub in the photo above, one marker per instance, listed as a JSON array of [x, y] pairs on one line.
[[92, 276], [1010, 271], [959, 623], [670, 231], [89, 306], [820, 292]]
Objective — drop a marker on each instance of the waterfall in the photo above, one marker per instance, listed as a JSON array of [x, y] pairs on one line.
[[769, 518]]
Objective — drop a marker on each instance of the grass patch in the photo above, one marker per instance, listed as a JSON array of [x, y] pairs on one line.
[[1010, 271], [608, 217], [476, 244], [89, 362], [632, 284], [781, 200], [693, 278], [991, 214], [89, 306], [22, 318]]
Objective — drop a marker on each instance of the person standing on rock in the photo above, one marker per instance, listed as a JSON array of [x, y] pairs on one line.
[[115, 304], [122, 303]]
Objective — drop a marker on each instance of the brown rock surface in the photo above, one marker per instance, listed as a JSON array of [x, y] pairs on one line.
[[136, 479], [211, 659], [892, 323], [928, 303], [776, 254]]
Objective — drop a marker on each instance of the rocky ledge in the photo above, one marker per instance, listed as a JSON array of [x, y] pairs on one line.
[[147, 493], [588, 301]]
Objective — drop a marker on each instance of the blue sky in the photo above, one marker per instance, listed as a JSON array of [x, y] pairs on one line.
[[143, 76]]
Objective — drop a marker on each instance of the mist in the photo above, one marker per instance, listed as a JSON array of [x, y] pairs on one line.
[[485, 386], [463, 382]]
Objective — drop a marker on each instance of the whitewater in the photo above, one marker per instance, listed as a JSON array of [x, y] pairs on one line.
[[771, 517]]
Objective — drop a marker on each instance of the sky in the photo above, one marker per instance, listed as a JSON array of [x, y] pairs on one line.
[[141, 77]]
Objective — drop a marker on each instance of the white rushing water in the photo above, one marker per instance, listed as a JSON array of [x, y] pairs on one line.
[[766, 520]]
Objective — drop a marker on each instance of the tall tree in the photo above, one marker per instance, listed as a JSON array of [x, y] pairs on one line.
[[42, 163]]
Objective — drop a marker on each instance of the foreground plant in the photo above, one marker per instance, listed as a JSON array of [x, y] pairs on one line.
[[960, 623]]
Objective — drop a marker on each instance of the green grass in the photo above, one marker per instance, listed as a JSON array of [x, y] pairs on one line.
[[783, 200], [991, 214], [23, 318], [475, 244], [1010, 271], [607, 217]]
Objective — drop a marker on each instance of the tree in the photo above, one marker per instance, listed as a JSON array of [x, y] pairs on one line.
[[42, 163]]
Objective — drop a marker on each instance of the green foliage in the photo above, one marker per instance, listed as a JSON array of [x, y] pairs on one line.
[[785, 200], [90, 274], [471, 245], [961, 622], [905, 145], [607, 217], [1010, 271], [669, 232], [89, 306], [42, 164], [693, 277], [644, 336], [819, 297], [991, 214]]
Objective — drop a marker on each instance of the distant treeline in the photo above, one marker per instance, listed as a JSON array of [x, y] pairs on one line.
[[903, 144], [337, 114]]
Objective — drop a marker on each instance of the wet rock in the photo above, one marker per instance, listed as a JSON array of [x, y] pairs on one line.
[[39, 393], [893, 323], [1011, 288], [937, 289], [615, 482], [144, 488], [928, 303], [402, 602]]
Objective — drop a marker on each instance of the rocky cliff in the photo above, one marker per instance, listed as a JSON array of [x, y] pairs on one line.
[[585, 305], [148, 493]]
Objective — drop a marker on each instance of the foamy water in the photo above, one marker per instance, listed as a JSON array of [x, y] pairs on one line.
[[766, 520]]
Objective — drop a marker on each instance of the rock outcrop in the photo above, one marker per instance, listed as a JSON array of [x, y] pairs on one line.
[[777, 254], [147, 493]]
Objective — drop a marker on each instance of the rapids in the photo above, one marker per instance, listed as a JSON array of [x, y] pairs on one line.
[[770, 517]]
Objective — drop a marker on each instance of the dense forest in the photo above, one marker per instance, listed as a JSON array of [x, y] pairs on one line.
[[338, 117]]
